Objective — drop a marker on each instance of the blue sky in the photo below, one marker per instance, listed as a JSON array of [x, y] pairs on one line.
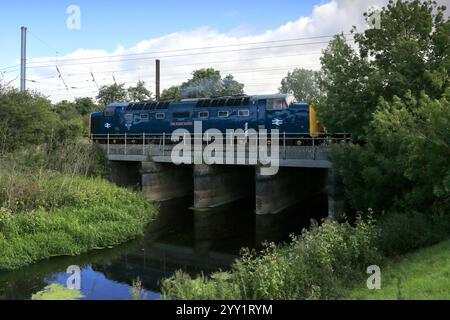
[[111, 31], [106, 24]]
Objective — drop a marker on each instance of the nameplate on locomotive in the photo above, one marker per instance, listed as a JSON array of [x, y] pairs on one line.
[[186, 123]]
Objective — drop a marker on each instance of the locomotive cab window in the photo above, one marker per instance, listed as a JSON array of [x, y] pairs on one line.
[[109, 111], [223, 114], [144, 116], [243, 113], [160, 116], [277, 104]]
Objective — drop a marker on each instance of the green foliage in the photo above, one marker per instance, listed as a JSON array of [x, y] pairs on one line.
[[171, 93], [112, 93], [204, 83], [57, 292], [319, 264], [57, 215], [423, 274], [69, 158], [219, 287], [25, 118], [404, 164], [349, 102], [30, 119], [137, 290], [139, 92], [409, 52], [118, 93], [85, 106], [303, 84], [404, 232]]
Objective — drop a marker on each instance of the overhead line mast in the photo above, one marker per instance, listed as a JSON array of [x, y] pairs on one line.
[[23, 59]]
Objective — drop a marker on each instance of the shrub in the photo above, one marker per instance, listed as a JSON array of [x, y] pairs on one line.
[[319, 264], [404, 232]]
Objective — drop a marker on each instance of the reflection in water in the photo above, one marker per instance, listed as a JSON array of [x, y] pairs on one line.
[[181, 238]]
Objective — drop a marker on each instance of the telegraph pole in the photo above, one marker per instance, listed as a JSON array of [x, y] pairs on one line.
[[158, 79], [23, 60]]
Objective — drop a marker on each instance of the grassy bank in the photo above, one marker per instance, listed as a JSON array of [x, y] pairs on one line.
[[45, 214], [423, 274]]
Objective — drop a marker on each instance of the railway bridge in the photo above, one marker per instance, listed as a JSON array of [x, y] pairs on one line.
[[303, 169]]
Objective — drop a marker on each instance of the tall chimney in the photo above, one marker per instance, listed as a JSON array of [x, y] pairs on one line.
[[158, 79]]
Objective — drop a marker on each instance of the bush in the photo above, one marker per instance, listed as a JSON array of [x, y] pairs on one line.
[[403, 232], [319, 264]]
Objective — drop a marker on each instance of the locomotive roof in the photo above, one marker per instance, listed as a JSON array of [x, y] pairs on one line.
[[166, 103]]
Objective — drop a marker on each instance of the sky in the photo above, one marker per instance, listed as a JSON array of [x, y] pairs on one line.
[[256, 41]]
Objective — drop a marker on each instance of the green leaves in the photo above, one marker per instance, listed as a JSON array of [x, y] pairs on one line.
[[405, 163], [204, 83], [319, 264], [303, 84], [409, 52], [112, 93]]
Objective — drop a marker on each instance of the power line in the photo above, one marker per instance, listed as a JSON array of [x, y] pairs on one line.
[[176, 75], [44, 42], [183, 50], [181, 55], [199, 63], [198, 48]]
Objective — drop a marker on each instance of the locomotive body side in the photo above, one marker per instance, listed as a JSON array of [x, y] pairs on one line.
[[229, 113]]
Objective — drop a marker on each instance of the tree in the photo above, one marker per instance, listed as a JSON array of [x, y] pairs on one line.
[[392, 93], [348, 104], [303, 84], [112, 93], [25, 118], [231, 86], [85, 105], [171, 93], [208, 82], [404, 164], [139, 92], [410, 51]]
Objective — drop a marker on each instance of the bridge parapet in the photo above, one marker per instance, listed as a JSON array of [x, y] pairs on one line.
[[291, 151]]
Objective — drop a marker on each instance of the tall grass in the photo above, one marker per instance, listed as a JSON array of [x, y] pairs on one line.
[[57, 215], [54, 202]]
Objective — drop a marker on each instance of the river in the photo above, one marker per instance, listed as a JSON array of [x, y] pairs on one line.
[[180, 238]]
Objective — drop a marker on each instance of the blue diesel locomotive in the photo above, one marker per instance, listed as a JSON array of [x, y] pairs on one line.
[[277, 111]]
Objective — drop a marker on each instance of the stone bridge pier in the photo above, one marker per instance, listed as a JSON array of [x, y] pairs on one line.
[[215, 185], [165, 181], [302, 175], [293, 187]]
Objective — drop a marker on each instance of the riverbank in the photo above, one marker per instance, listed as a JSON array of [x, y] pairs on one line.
[[421, 275], [322, 263], [46, 214]]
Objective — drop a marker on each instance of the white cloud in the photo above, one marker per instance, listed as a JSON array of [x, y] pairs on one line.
[[260, 70]]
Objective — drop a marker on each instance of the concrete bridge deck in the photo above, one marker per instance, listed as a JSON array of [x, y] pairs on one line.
[[303, 170], [289, 156]]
